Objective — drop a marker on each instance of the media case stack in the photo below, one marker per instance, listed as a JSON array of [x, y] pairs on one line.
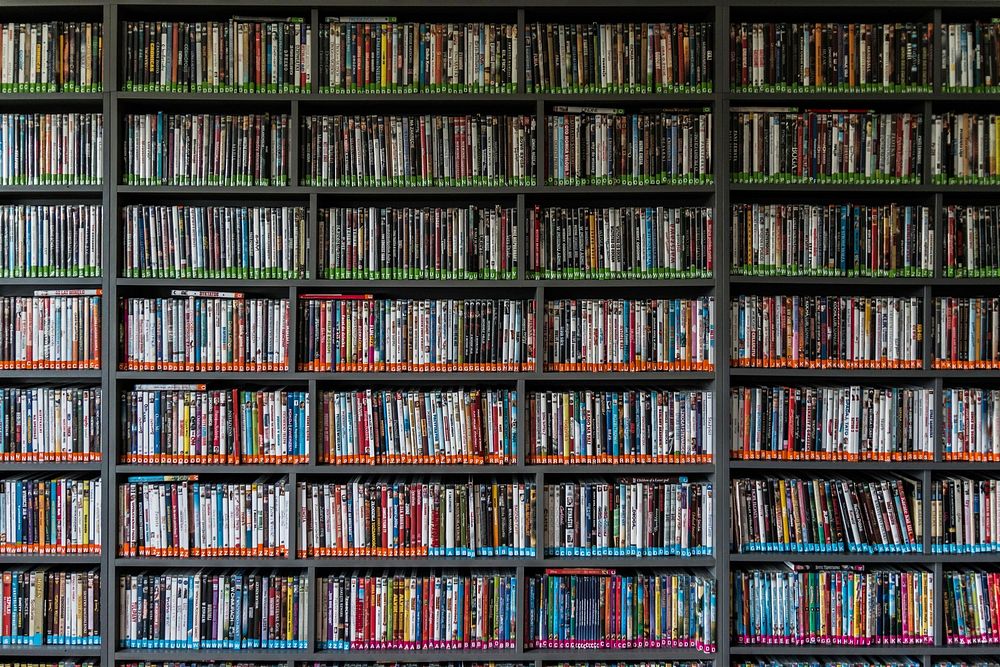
[[360, 380], [403, 331], [55, 142], [854, 185]]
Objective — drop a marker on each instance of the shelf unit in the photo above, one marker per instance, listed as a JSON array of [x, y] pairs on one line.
[[113, 194]]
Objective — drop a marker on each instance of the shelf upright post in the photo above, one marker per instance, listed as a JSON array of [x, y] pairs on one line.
[[720, 274], [112, 242], [109, 390]]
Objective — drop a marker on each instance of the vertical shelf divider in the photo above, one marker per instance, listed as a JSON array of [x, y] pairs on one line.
[[720, 384], [113, 238], [109, 344]]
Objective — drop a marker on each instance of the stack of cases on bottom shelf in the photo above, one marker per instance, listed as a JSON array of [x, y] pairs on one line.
[[420, 338]]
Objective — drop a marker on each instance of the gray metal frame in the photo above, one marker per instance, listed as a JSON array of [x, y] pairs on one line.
[[112, 194]]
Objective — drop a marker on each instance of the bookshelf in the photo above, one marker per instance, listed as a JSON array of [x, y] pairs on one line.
[[115, 102]]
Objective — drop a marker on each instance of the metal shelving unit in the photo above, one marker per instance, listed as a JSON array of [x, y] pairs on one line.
[[113, 194]]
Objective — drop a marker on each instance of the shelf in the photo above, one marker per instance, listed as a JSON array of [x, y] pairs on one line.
[[555, 655], [206, 655], [967, 466], [379, 286], [50, 466], [52, 651], [67, 190], [853, 466], [211, 190], [864, 374], [583, 469], [383, 378], [862, 281], [305, 470], [640, 654], [860, 466], [332, 100], [893, 650], [421, 656], [55, 560], [839, 466], [783, 98], [597, 4], [451, 562], [964, 560], [68, 281], [829, 280], [274, 562], [302, 376], [968, 189], [831, 558], [520, 189], [969, 374], [859, 188], [438, 562], [329, 469], [825, 188], [194, 97], [965, 282], [621, 377], [860, 374], [42, 375], [946, 560], [438, 191], [55, 3], [627, 98], [626, 562], [57, 98]]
